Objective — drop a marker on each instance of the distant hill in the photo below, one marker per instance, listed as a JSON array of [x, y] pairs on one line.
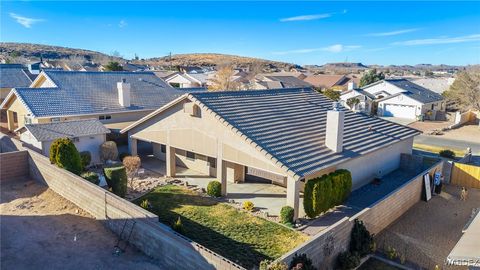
[[11, 50], [213, 59]]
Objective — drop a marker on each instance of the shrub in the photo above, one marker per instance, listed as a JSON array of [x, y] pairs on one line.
[[391, 253], [301, 262], [178, 226], [325, 192], [347, 260], [132, 164], [214, 189], [269, 265], [447, 154], [86, 158], [54, 149], [108, 151], [286, 214], [67, 156], [91, 177], [145, 204], [116, 178], [248, 205], [361, 241]]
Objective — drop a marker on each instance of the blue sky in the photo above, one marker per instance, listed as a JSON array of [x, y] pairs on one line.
[[299, 32]]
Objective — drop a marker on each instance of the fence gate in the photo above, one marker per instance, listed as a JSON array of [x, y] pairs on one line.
[[465, 175]]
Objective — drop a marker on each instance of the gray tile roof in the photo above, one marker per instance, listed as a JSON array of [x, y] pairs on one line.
[[289, 81], [13, 75], [67, 129], [289, 124], [412, 90], [84, 92]]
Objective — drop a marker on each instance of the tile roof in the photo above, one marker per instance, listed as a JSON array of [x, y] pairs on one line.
[[13, 75], [67, 129], [412, 90], [289, 81], [326, 81], [289, 124], [84, 92]]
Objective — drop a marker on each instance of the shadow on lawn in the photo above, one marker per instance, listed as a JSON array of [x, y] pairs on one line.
[[238, 252]]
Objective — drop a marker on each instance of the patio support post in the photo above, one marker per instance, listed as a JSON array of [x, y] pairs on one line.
[[10, 120], [221, 168], [293, 195], [132, 145], [170, 161]]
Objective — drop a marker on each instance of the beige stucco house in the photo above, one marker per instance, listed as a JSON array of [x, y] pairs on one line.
[[283, 136], [116, 99]]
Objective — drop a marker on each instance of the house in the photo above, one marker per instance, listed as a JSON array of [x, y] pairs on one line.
[[281, 136], [11, 76], [275, 82], [437, 85], [86, 134], [187, 80], [114, 98], [360, 100], [405, 99], [322, 81]]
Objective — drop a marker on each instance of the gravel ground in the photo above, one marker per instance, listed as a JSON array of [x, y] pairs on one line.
[[41, 230], [428, 231]]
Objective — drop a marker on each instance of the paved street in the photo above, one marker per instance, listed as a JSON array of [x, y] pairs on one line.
[[449, 143]]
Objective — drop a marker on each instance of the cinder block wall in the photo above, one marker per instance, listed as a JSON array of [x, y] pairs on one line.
[[13, 166], [324, 248]]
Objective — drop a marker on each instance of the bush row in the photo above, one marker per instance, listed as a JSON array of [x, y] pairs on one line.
[[327, 191]]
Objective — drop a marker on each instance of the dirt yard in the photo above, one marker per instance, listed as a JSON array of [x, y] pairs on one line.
[[427, 233], [42, 230]]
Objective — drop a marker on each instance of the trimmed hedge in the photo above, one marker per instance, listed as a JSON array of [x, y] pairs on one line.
[[361, 241], [327, 191], [116, 177], [447, 154], [286, 215], [67, 156], [91, 177], [86, 158], [214, 189], [54, 149]]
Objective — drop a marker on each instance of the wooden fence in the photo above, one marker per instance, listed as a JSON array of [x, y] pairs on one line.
[[465, 175]]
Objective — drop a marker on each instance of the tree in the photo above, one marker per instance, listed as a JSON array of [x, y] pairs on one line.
[[113, 66], [132, 164], [370, 77], [67, 157], [464, 93], [352, 102], [223, 79], [331, 94]]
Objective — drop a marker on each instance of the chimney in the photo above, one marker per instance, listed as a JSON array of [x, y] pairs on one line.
[[352, 85], [334, 129], [123, 93]]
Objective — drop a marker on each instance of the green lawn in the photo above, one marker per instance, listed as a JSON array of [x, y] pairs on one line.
[[234, 234]]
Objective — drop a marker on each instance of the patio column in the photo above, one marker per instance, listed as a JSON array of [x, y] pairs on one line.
[[221, 168], [170, 163], [293, 195], [132, 145], [10, 120]]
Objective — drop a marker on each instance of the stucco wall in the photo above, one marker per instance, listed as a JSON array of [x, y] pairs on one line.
[[381, 162]]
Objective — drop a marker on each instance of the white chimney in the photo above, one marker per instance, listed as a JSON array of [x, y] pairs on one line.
[[123, 93], [352, 85], [334, 129]]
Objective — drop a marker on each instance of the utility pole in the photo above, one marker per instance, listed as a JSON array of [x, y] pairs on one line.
[[170, 59]]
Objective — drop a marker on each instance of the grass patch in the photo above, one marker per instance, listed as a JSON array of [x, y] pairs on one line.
[[236, 235], [436, 149]]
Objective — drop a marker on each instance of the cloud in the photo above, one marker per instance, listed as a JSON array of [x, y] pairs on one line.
[[336, 48], [122, 24], [440, 40], [392, 33], [25, 21], [311, 17]]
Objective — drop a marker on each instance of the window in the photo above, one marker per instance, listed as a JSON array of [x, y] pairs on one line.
[[108, 117], [163, 148], [433, 105], [212, 162], [56, 119], [190, 155], [101, 117]]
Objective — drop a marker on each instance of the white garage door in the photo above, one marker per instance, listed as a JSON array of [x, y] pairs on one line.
[[401, 111]]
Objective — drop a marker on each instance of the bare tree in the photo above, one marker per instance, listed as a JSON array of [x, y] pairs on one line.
[[223, 79], [132, 164], [464, 93]]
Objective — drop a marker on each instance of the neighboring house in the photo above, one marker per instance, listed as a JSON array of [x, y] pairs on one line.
[[187, 80], [86, 134], [364, 100], [275, 82], [11, 76], [405, 99], [437, 85], [327, 81], [114, 98], [283, 136], [296, 74]]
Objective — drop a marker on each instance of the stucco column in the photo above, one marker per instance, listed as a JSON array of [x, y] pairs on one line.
[[293, 195], [132, 145], [11, 121], [221, 168], [170, 163]]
